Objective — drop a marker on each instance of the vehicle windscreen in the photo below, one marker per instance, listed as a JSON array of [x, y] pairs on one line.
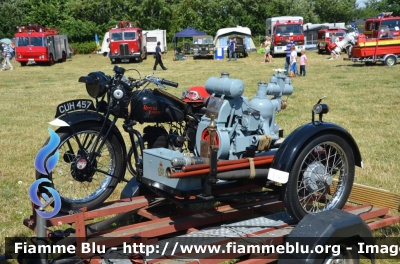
[[116, 36], [289, 29], [31, 41], [202, 40], [129, 36], [391, 24]]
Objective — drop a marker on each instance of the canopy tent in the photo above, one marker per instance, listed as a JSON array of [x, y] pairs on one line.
[[5, 41], [187, 33], [223, 35]]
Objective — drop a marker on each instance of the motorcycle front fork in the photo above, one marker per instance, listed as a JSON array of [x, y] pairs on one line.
[[136, 149]]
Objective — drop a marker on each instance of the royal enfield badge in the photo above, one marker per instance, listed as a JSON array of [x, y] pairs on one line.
[[160, 170]]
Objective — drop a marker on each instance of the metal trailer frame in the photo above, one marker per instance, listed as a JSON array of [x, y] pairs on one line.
[[387, 59], [189, 222]]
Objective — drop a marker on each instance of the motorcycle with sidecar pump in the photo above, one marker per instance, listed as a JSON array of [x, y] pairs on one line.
[[237, 142]]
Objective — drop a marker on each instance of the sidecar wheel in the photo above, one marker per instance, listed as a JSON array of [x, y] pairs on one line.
[[321, 177], [86, 185]]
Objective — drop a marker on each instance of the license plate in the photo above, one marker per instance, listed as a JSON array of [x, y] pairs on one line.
[[124, 60], [74, 105]]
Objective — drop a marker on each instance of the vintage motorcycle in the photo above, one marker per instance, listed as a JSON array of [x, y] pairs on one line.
[[93, 154], [235, 143]]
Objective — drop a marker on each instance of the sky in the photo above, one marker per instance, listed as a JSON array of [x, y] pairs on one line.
[[361, 3]]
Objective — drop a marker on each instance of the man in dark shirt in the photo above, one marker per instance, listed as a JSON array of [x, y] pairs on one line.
[[158, 58], [232, 49], [289, 43]]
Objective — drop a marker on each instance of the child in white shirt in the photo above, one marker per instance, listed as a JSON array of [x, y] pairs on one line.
[[293, 58]]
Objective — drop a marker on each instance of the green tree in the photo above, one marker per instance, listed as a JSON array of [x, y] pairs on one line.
[[335, 10], [12, 16], [384, 6], [47, 13]]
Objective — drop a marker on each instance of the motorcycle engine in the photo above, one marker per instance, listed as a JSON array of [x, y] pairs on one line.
[[158, 137]]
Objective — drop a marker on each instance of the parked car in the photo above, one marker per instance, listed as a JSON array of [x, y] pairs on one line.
[[203, 47], [240, 47]]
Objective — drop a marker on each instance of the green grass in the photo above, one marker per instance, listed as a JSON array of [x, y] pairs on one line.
[[365, 100]]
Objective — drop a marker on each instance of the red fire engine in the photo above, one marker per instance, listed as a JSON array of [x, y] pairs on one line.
[[324, 38], [372, 25], [280, 27], [36, 44], [127, 43]]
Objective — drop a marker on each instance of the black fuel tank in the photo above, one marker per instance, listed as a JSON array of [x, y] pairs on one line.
[[151, 108]]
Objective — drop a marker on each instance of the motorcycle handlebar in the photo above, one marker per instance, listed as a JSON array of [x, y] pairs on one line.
[[170, 83]]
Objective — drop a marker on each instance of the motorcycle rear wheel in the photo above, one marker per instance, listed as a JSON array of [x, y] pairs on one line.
[[75, 189], [321, 177]]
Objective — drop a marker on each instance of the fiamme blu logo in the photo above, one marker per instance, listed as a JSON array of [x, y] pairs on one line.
[[45, 161]]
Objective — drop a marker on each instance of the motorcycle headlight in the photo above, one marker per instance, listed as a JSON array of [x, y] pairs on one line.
[[95, 83]]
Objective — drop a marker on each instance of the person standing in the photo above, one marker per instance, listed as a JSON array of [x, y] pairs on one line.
[[332, 41], [159, 57], [13, 51], [289, 44], [293, 61], [303, 62], [232, 49], [7, 56], [267, 50]]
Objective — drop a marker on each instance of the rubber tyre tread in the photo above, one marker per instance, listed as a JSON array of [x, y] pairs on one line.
[[51, 60], [390, 60], [67, 206], [290, 197]]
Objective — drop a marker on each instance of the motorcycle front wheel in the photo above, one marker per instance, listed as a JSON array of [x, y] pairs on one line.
[[321, 177], [79, 182]]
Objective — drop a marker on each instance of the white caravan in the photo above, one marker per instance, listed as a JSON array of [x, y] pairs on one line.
[[153, 36]]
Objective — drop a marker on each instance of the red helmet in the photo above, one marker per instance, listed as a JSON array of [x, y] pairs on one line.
[[195, 94]]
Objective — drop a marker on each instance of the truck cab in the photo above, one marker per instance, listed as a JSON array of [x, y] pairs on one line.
[[127, 43], [278, 28]]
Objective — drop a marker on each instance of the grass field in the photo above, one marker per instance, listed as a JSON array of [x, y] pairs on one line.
[[363, 99]]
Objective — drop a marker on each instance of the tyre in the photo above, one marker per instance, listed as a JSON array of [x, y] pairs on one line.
[[64, 57], [79, 182], [51, 60], [390, 60], [23, 64], [347, 255], [321, 177]]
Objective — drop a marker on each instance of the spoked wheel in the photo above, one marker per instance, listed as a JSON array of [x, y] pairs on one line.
[[80, 182], [321, 177]]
